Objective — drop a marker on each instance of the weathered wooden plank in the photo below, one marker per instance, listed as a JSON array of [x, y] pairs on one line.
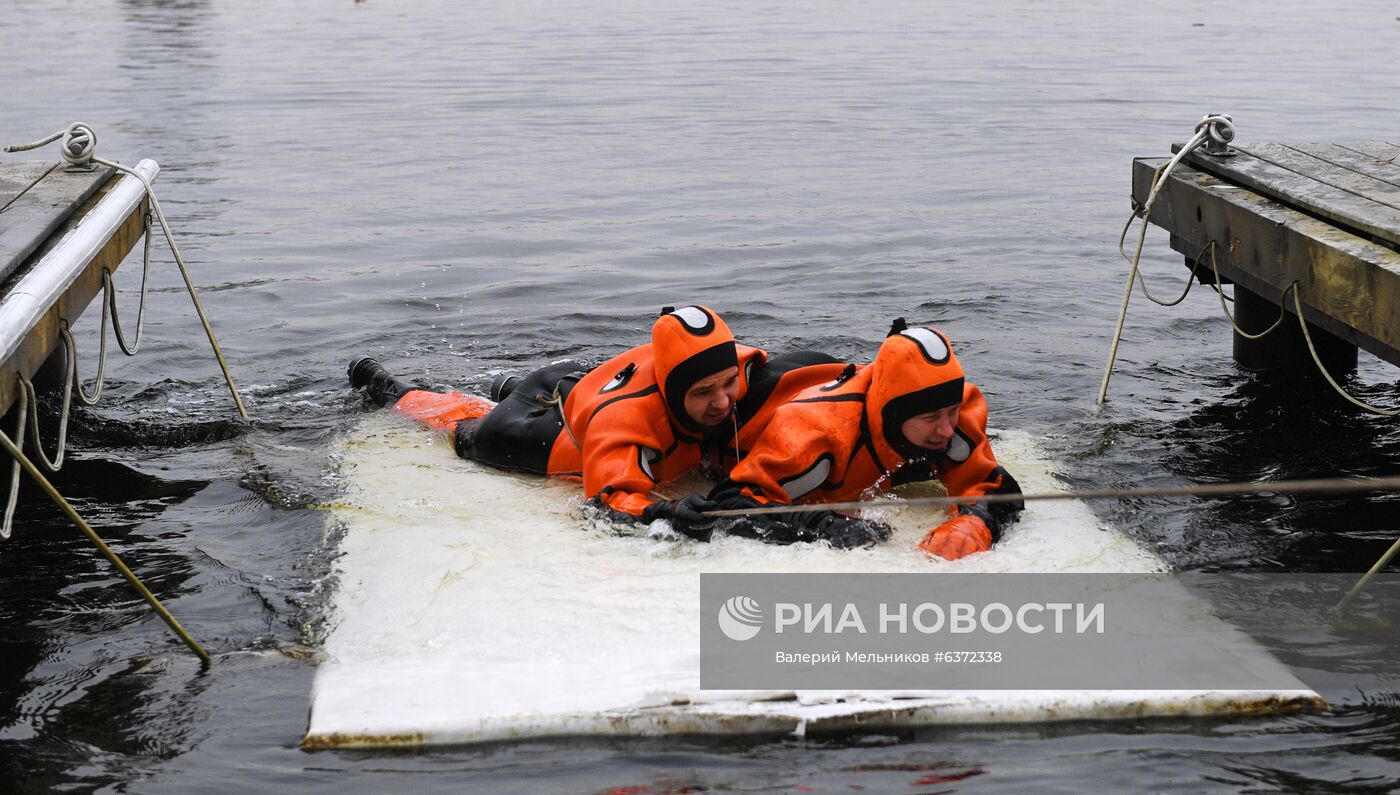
[[1338, 205], [1350, 285], [1376, 150], [44, 338], [32, 218], [16, 178], [1346, 158], [1340, 177]]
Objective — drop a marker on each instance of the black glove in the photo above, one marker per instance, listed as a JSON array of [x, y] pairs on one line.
[[686, 515], [797, 518], [844, 532], [736, 503], [770, 528]]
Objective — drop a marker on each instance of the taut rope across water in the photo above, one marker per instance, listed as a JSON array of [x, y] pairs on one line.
[[1314, 486]]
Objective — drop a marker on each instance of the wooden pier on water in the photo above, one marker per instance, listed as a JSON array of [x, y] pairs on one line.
[[61, 228], [44, 205], [1324, 215]]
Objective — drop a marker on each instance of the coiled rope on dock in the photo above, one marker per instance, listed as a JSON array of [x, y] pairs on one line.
[[78, 148]]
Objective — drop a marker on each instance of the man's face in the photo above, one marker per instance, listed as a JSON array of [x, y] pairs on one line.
[[931, 430], [711, 399]]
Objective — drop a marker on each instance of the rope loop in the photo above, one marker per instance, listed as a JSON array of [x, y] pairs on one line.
[[1317, 360], [61, 445], [21, 412], [110, 293], [79, 145], [72, 386], [1294, 287], [71, 352], [1219, 128]]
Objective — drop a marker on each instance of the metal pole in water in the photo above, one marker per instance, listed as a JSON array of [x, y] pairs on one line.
[[1361, 583], [106, 551]]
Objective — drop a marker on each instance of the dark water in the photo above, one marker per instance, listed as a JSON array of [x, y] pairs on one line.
[[462, 188]]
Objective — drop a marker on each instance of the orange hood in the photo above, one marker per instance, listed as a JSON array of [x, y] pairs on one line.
[[915, 372], [689, 344]]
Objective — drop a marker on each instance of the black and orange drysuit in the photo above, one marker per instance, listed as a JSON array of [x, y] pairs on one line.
[[836, 441], [622, 427]]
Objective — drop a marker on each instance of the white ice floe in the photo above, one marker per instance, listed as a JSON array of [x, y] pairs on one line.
[[474, 605]]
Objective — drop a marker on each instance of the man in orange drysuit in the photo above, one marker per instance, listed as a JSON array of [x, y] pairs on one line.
[[907, 416], [643, 418]]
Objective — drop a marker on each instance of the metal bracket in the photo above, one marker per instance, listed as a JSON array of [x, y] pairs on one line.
[[1219, 133]]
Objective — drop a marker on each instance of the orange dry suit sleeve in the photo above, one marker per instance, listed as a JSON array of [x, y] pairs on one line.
[[970, 469], [787, 465], [621, 459], [795, 456], [614, 429]]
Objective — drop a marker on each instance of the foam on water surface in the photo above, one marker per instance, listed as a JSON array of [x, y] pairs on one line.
[[475, 605]]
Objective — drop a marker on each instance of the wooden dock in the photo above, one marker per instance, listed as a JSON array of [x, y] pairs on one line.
[[1324, 215], [41, 206], [60, 229]]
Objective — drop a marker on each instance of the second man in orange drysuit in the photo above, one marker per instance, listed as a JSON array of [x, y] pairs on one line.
[[907, 416]]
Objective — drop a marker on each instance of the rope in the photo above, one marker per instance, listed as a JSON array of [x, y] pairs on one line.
[[72, 354], [61, 446], [109, 309], [1220, 129], [1220, 291], [1142, 280], [1298, 307], [72, 385], [110, 292], [557, 401], [1205, 128], [189, 283], [79, 144], [78, 147], [21, 411], [1295, 288], [1317, 486]]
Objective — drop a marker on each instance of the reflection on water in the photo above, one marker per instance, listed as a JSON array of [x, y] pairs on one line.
[[1266, 427], [463, 189]]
